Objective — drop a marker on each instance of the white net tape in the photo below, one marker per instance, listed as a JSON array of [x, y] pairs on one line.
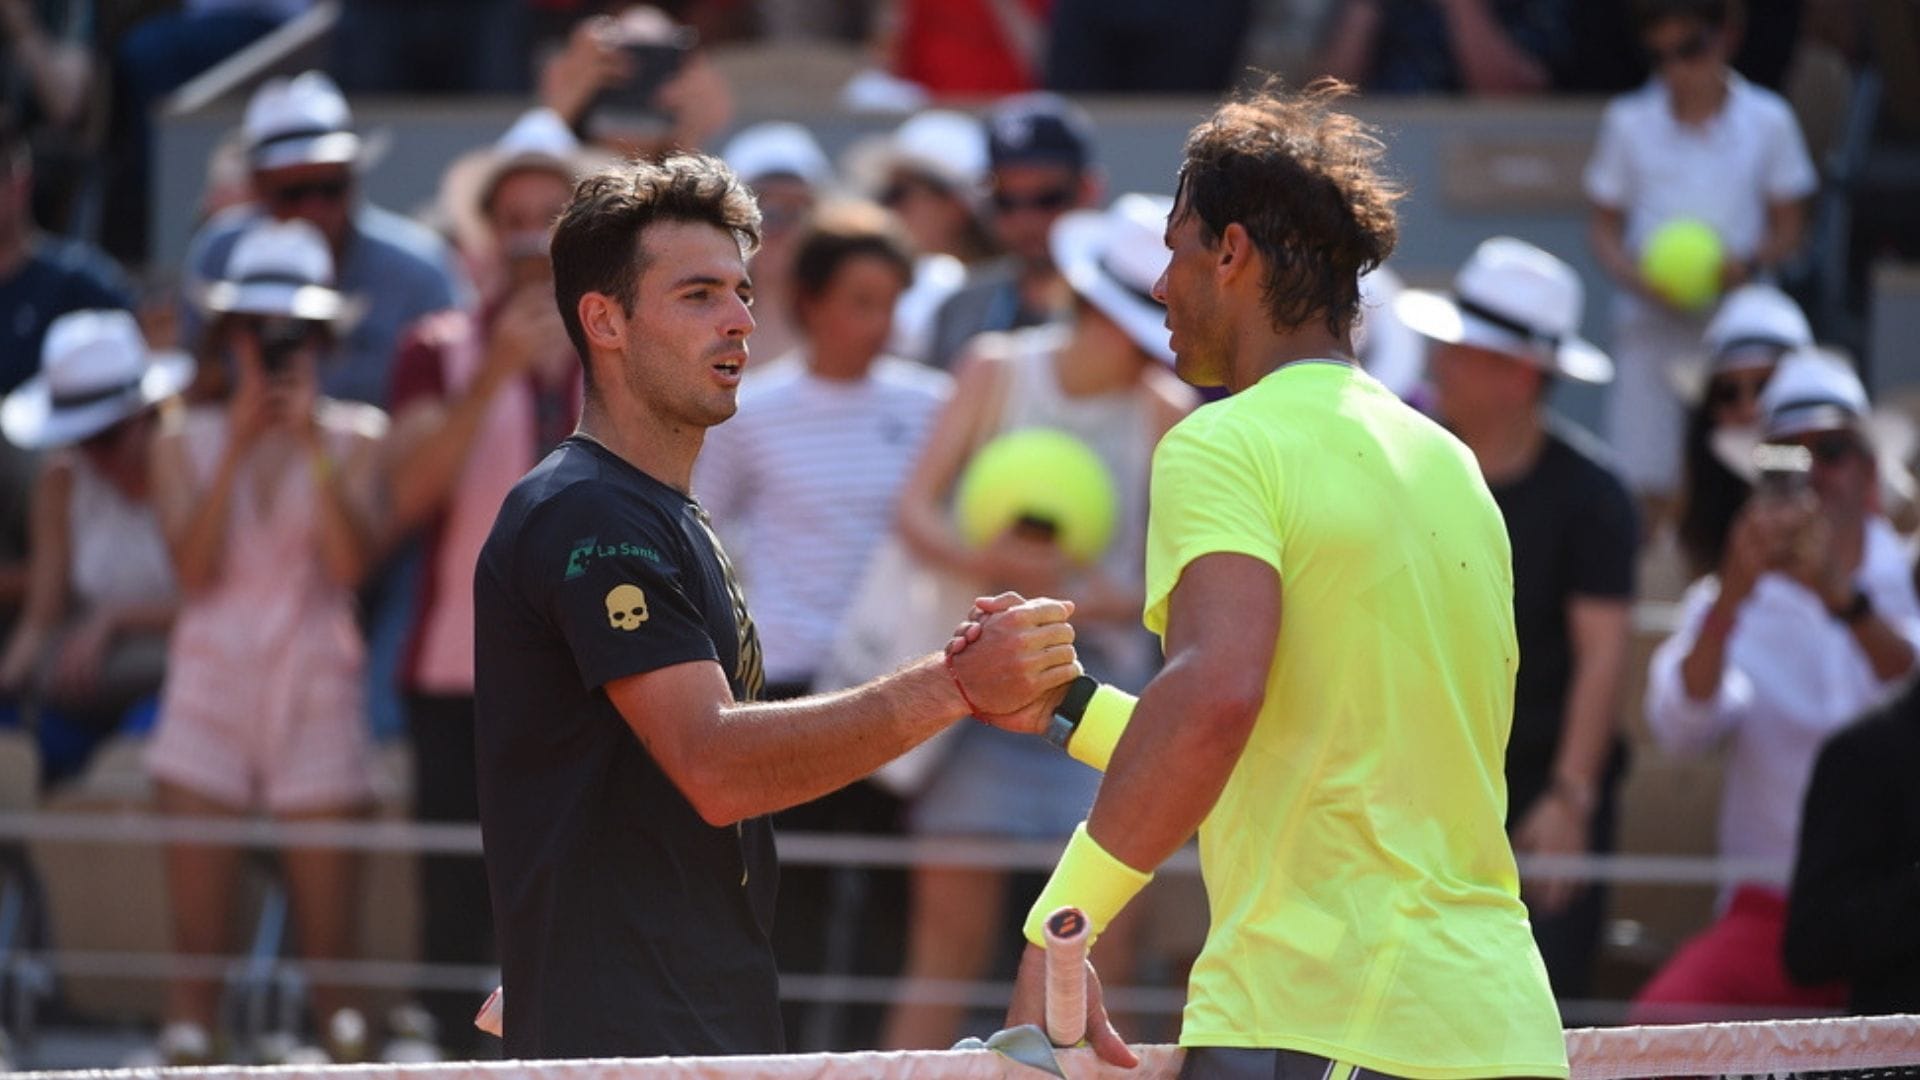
[[1849, 1044]]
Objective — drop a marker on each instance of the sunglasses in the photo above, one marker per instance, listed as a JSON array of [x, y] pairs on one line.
[[1735, 391], [1692, 47], [1050, 201], [295, 194], [1835, 448], [281, 337]]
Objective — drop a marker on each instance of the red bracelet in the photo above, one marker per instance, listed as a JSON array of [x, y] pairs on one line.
[[955, 676]]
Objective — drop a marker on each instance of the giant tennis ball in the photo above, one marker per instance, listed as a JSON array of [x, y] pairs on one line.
[[1682, 262], [1039, 475]]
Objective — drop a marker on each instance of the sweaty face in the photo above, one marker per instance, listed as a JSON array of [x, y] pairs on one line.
[[1200, 342], [686, 340]]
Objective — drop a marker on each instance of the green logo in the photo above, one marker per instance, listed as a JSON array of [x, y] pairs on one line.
[[585, 551]]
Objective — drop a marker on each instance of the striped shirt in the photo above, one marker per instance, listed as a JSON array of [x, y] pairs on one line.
[[801, 485]]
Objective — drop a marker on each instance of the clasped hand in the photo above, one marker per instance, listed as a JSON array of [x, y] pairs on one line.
[[1014, 658]]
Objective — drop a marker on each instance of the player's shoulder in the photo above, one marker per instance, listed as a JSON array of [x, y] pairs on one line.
[[578, 490]]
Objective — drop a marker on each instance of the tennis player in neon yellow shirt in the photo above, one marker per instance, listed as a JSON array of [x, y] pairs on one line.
[[1332, 585]]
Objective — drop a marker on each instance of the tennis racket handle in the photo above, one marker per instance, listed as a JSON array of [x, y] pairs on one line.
[[1067, 935], [491, 1016]]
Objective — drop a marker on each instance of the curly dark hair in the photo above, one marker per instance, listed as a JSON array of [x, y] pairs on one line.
[[596, 243], [1305, 182]]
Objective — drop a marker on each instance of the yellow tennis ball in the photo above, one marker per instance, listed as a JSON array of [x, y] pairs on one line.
[[1682, 262], [1040, 475]]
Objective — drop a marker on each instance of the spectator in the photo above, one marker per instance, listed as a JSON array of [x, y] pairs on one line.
[[49, 84], [1480, 47], [1755, 326], [1810, 621], [600, 84], [1104, 378], [303, 152], [1855, 886], [100, 594], [155, 57], [1505, 336], [1098, 46], [1040, 161], [787, 172], [930, 171], [505, 380], [41, 277], [266, 506], [1700, 142], [802, 483], [967, 48]]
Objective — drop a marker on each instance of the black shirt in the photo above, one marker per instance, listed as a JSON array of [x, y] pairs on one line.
[[60, 276], [1572, 528], [1854, 911], [627, 925]]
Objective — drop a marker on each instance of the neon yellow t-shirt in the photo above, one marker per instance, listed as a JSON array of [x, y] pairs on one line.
[[1365, 899]]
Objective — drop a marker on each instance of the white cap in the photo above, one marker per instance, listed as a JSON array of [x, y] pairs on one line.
[[95, 371], [1813, 389], [279, 268], [1512, 298], [1113, 258], [1753, 326], [949, 146], [777, 148], [539, 139], [299, 121]]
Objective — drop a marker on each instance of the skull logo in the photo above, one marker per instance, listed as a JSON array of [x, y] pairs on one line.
[[626, 607]]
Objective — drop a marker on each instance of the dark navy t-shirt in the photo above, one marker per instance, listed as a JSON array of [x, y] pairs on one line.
[[627, 925], [60, 276]]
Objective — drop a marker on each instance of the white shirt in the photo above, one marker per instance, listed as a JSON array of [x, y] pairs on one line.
[[1793, 676], [801, 485], [1725, 172]]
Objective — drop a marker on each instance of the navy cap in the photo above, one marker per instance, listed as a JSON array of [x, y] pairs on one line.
[[1039, 129]]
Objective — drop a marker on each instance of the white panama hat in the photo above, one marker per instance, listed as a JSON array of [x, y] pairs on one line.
[[1511, 298], [1113, 258], [279, 268], [1754, 326], [777, 148], [95, 371], [299, 121]]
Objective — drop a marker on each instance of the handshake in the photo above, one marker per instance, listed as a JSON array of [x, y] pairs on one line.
[[1012, 660]]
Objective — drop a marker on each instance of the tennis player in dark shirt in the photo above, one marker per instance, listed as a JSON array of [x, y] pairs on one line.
[[624, 770]]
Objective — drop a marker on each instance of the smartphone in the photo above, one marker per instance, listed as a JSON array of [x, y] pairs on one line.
[[632, 109], [1781, 471]]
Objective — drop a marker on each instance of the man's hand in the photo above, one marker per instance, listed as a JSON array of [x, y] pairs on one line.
[[1762, 539], [1020, 655], [1029, 1006], [1552, 826]]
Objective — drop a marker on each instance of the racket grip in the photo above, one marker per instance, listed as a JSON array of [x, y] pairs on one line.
[[492, 1014], [1066, 993]]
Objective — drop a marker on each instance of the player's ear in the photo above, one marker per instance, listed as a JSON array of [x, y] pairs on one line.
[[1233, 255], [603, 321]]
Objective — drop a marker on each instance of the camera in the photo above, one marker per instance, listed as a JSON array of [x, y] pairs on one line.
[[281, 339], [633, 109]]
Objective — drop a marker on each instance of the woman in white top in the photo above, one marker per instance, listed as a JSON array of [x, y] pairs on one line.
[[1107, 381], [100, 591]]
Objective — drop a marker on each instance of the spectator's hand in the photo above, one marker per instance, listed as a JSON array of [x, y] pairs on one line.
[[592, 61], [294, 395], [1024, 564], [1552, 826], [1814, 560], [250, 409], [1021, 663], [81, 657], [699, 100], [527, 328], [1029, 1006], [1761, 540]]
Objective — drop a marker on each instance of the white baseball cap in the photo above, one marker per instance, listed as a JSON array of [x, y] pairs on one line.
[[1511, 298], [777, 148], [299, 121], [95, 371], [1113, 258]]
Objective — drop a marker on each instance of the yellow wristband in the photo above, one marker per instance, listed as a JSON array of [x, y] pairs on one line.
[[1089, 878], [1101, 726]]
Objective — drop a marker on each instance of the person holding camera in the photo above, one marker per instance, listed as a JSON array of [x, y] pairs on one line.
[[1811, 621], [266, 504], [632, 80]]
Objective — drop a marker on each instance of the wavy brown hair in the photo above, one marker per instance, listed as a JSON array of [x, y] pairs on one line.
[[1306, 183], [596, 243]]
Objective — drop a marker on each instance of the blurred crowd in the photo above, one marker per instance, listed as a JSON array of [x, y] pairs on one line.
[[238, 524]]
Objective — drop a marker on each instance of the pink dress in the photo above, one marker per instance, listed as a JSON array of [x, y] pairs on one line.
[[265, 699]]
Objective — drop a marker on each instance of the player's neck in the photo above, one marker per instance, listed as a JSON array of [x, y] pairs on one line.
[[662, 450], [1262, 351]]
